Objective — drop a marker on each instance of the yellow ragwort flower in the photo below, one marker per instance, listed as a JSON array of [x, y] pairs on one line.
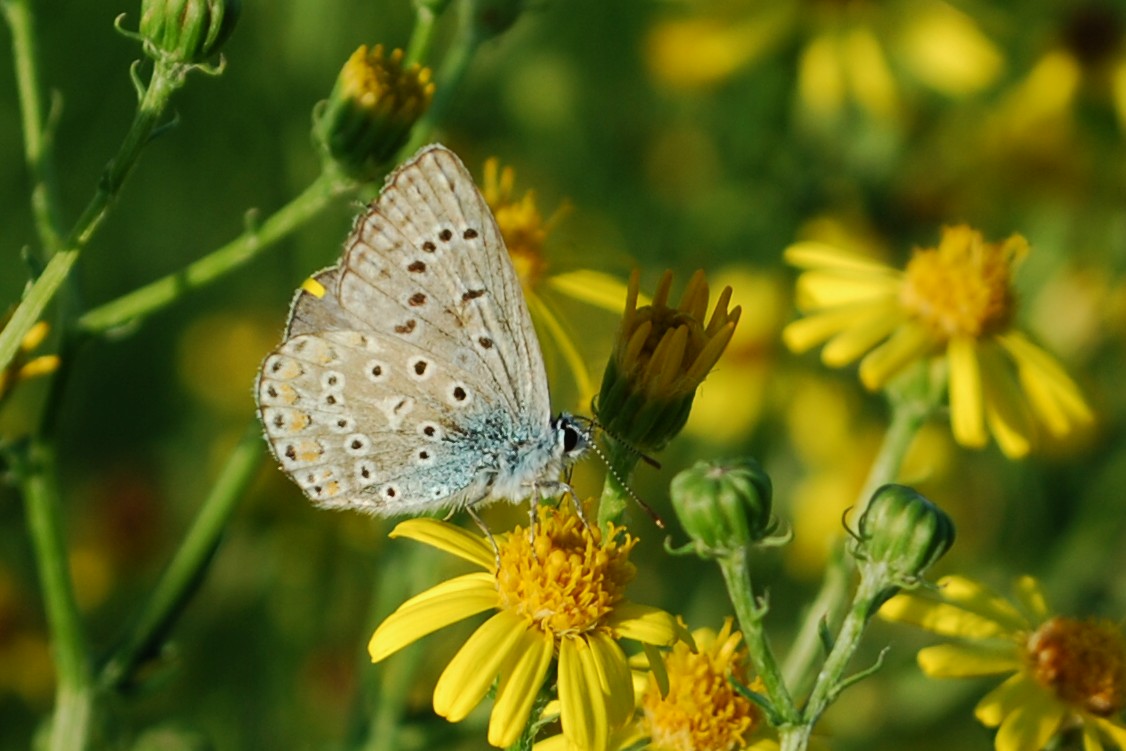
[[693, 706], [1066, 673], [661, 356], [525, 232], [558, 593], [955, 302]]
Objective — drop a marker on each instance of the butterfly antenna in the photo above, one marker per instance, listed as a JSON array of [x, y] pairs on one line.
[[629, 491], [628, 446]]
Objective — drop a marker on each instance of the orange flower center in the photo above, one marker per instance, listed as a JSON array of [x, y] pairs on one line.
[[565, 579], [701, 712], [1082, 662], [963, 287]]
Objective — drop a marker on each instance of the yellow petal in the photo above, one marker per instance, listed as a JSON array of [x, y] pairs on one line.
[[862, 336], [945, 49], [1005, 413], [967, 411], [594, 288], [806, 333], [964, 660], [1058, 402], [614, 676], [825, 289], [583, 715], [1091, 740], [437, 607], [1030, 596], [818, 255], [519, 688], [820, 83], [645, 624], [657, 668], [543, 313], [998, 703], [471, 672], [872, 82], [1113, 729], [1031, 724], [448, 538], [909, 344], [969, 612]]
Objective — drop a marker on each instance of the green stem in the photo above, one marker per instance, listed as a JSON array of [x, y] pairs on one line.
[[906, 418], [620, 461], [908, 415], [37, 138], [832, 680], [453, 70], [237, 253], [166, 79], [188, 566], [422, 35], [737, 575], [74, 698]]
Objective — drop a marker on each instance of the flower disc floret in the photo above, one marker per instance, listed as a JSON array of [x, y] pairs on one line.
[[564, 581], [1081, 662]]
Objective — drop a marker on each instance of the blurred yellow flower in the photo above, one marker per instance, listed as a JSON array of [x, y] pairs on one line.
[[525, 231], [693, 706], [561, 593], [1065, 672], [845, 51], [955, 302]]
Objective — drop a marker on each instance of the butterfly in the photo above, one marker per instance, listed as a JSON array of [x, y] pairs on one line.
[[410, 378]]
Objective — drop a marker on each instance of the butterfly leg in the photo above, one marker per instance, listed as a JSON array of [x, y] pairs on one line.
[[488, 533]]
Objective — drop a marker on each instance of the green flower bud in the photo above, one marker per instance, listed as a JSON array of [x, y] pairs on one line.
[[373, 106], [187, 31], [723, 506], [903, 533], [662, 354]]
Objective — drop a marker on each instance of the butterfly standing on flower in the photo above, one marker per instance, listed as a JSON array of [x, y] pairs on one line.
[[410, 378]]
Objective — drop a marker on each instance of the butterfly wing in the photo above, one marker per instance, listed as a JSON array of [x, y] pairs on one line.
[[411, 366]]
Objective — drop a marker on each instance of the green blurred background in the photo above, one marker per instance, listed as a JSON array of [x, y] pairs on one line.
[[682, 135]]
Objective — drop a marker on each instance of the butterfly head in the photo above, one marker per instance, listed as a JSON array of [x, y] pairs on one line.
[[572, 436]]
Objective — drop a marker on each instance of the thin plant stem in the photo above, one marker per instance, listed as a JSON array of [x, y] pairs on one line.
[[737, 577], [615, 495], [422, 35], [832, 680], [453, 70], [144, 301], [74, 694], [167, 77], [186, 570], [907, 417], [37, 136]]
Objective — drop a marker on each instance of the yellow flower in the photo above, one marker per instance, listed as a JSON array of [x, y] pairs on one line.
[[697, 708], [846, 52], [1065, 672], [558, 593], [525, 232], [662, 354], [955, 302]]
